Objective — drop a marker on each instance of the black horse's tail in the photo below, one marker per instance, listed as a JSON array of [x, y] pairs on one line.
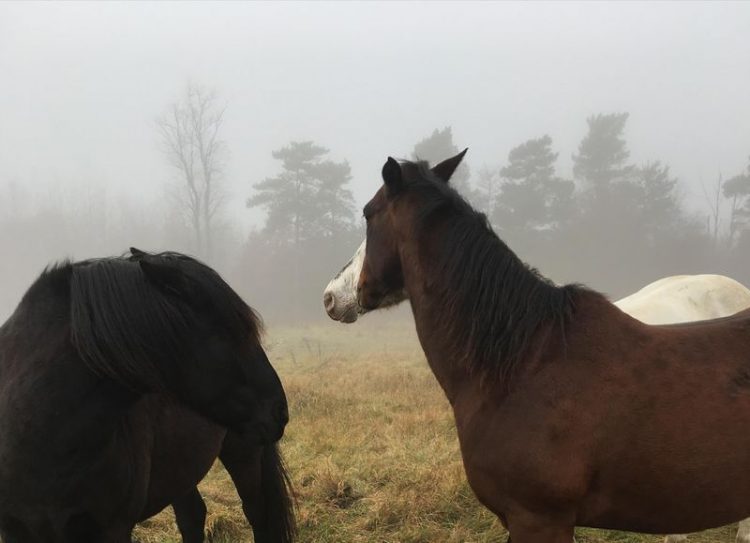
[[279, 495]]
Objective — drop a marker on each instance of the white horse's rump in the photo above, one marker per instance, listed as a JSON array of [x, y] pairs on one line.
[[681, 298], [685, 298]]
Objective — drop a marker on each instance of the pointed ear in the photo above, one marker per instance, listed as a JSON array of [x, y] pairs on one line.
[[163, 276], [137, 253], [392, 174], [445, 169]]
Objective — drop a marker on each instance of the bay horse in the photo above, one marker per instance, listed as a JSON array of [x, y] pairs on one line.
[[121, 380], [568, 411], [674, 299]]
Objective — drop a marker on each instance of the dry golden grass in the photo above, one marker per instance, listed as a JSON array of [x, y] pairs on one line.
[[371, 448]]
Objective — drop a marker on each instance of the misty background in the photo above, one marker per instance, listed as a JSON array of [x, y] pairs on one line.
[[609, 143]]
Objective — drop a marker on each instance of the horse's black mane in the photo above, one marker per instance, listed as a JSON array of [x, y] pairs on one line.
[[493, 302], [128, 328]]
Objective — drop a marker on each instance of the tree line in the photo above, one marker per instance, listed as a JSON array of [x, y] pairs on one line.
[[614, 224]]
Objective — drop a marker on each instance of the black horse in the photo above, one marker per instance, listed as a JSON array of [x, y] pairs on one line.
[[121, 380]]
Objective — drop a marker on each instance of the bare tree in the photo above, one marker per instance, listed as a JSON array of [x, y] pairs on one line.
[[737, 190], [190, 133], [712, 197]]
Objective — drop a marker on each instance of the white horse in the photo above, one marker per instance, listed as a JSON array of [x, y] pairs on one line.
[[680, 298], [684, 298]]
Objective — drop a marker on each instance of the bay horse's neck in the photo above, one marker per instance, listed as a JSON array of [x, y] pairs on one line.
[[478, 308]]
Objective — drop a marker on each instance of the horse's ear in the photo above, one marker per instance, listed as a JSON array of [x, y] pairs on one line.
[[137, 253], [445, 169], [163, 276], [392, 174]]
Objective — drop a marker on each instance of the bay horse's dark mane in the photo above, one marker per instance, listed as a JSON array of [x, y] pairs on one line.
[[123, 325], [494, 303]]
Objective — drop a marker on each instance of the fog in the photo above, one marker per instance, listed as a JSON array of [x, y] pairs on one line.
[[84, 171]]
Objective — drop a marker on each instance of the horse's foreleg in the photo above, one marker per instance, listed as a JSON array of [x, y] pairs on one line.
[[243, 463], [260, 478], [190, 514]]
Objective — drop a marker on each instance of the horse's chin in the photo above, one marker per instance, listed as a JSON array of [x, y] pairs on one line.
[[350, 315], [346, 310]]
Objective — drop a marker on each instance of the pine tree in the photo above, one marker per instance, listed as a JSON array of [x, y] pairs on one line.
[[602, 155], [532, 197], [437, 147], [308, 199]]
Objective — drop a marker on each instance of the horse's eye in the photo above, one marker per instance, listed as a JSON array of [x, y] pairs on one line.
[[367, 212]]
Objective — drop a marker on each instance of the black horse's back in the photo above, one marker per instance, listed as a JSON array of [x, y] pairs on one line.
[[45, 305], [118, 379]]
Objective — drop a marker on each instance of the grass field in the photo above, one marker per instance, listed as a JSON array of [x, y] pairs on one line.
[[371, 448]]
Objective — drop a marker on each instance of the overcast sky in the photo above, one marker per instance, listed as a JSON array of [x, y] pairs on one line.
[[81, 84]]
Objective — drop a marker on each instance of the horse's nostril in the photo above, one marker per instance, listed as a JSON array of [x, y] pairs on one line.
[[329, 302]]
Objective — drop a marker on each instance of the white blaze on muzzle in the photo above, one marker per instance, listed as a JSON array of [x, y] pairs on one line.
[[340, 296]]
